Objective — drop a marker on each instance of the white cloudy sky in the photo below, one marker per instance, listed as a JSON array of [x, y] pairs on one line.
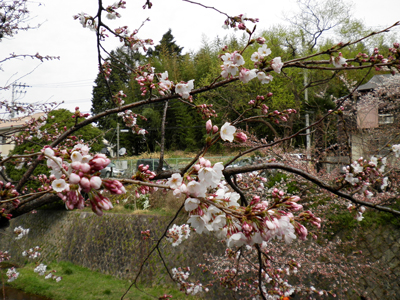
[[71, 78]]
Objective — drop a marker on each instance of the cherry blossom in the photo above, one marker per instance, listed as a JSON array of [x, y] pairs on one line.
[[184, 89], [264, 78], [60, 185], [227, 132], [277, 64], [339, 61], [246, 75], [20, 232], [12, 274]]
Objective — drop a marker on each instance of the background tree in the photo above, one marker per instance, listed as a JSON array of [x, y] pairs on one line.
[[56, 122]]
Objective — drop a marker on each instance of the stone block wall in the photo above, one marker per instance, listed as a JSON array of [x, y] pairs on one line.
[[113, 245]]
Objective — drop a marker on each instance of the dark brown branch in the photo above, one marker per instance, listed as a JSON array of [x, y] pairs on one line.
[[236, 170]]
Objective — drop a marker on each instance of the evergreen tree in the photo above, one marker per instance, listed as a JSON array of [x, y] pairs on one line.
[[122, 61], [167, 45]]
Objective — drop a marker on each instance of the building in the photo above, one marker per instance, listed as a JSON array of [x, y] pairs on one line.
[[10, 127]]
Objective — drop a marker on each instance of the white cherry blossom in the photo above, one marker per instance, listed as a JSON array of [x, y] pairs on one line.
[[277, 64], [175, 181], [59, 185], [264, 78], [191, 204], [227, 132], [184, 89]]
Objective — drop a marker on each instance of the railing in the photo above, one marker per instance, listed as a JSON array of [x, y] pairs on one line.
[[130, 165]]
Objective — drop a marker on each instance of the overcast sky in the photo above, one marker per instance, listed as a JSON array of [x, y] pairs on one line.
[[71, 78]]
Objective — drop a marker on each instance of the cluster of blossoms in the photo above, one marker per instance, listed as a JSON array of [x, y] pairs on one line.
[[41, 270], [86, 21], [77, 114], [32, 128], [362, 174], [82, 176], [358, 211], [177, 234], [118, 98], [276, 116], [164, 84], [238, 271], [145, 234], [106, 68], [183, 89], [206, 110], [238, 22], [227, 133], [181, 275], [378, 58], [144, 174], [12, 274], [4, 256], [375, 58], [145, 77], [233, 62], [8, 191], [32, 253], [112, 10], [130, 120], [260, 61], [50, 275], [254, 181], [213, 207], [20, 232], [131, 40]]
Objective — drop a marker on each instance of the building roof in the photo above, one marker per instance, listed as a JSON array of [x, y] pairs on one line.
[[374, 82], [18, 122]]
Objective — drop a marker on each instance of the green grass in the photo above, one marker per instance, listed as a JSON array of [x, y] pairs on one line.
[[79, 283]]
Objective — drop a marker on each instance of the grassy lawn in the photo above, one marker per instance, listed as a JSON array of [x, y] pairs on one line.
[[79, 283]]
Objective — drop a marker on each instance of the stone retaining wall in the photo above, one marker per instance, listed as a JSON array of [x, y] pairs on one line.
[[112, 244]]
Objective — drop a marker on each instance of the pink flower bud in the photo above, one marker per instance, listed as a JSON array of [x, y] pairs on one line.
[[76, 165], [240, 137], [247, 228], [85, 168], [95, 182], [208, 126], [85, 184], [207, 163], [215, 129], [74, 178], [261, 40], [202, 161], [301, 231]]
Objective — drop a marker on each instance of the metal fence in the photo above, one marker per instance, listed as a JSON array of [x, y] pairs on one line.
[[130, 165]]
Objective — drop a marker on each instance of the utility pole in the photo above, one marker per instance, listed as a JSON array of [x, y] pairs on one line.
[[14, 90], [117, 141]]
